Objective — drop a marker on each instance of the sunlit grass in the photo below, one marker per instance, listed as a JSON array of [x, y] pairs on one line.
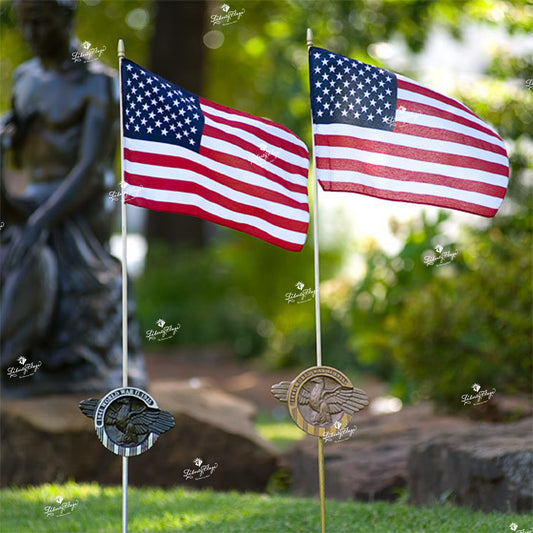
[[180, 510], [281, 433]]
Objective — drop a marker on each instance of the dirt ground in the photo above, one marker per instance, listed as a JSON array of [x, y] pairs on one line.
[[246, 380]]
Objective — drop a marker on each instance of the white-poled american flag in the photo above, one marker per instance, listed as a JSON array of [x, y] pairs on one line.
[[185, 154], [384, 135]]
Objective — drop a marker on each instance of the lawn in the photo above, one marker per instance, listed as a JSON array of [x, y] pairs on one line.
[[95, 509]]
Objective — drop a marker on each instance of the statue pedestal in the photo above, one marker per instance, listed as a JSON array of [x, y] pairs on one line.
[[48, 440]]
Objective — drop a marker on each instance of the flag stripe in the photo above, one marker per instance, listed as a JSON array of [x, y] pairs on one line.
[[452, 128], [284, 218], [143, 164], [350, 165], [398, 196], [417, 107], [385, 135], [410, 187], [248, 174], [291, 171], [191, 204], [404, 163], [416, 154], [185, 154], [400, 139], [186, 170], [257, 133], [216, 110], [412, 86], [417, 130]]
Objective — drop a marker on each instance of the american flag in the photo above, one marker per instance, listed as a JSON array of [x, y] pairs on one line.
[[384, 135], [185, 154]]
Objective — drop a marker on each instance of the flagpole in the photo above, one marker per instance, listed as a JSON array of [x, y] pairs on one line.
[[121, 53], [321, 481]]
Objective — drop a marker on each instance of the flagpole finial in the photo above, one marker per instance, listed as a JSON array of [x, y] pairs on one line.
[[121, 49], [309, 37]]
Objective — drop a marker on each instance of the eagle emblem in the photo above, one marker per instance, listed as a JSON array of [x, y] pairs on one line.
[[127, 420], [320, 399]]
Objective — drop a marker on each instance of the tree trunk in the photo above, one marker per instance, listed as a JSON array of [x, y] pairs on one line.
[[177, 54]]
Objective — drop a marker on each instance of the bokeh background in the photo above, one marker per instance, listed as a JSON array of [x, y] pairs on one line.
[[427, 331]]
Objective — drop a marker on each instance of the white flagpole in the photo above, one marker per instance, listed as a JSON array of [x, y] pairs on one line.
[[121, 52], [321, 481]]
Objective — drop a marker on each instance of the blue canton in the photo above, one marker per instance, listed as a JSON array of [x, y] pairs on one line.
[[156, 110], [347, 91]]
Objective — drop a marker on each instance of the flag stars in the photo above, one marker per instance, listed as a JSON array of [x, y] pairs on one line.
[[155, 107]]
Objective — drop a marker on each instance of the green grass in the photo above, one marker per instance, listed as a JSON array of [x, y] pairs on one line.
[[281, 433], [153, 510]]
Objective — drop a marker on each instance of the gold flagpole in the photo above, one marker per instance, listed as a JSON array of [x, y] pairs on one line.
[[121, 53], [321, 483]]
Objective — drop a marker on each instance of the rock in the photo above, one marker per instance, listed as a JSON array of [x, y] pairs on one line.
[[488, 467], [48, 439], [372, 465]]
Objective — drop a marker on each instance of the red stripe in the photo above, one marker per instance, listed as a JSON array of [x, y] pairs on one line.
[[417, 107], [187, 164], [410, 197], [177, 162], [242, 114], [215, 133], [217, 198], [262, 134], [415, 88], [418, 154], [409, 175], [200, 213], [441, 134]]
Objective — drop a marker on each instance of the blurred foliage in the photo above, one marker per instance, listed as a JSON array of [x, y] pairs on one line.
[[233, 293], [423, 328], [471, 322]]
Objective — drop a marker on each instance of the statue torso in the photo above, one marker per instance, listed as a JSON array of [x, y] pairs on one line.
[[50, 108]]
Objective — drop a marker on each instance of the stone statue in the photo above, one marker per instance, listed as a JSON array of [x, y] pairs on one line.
[[61, 289]]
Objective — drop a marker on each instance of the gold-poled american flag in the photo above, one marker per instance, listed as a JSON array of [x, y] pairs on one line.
[[385, 135]]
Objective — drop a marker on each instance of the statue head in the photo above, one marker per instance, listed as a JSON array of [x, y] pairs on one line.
[[46, 25]]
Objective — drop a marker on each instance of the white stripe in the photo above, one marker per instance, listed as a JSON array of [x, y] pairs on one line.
[[234, 150], [251, 177], [419, 119], [404, 163], [283, 154], [393, 185], [182, 175], [461, 111], [412, 141], [271, 128], [218, 210]]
